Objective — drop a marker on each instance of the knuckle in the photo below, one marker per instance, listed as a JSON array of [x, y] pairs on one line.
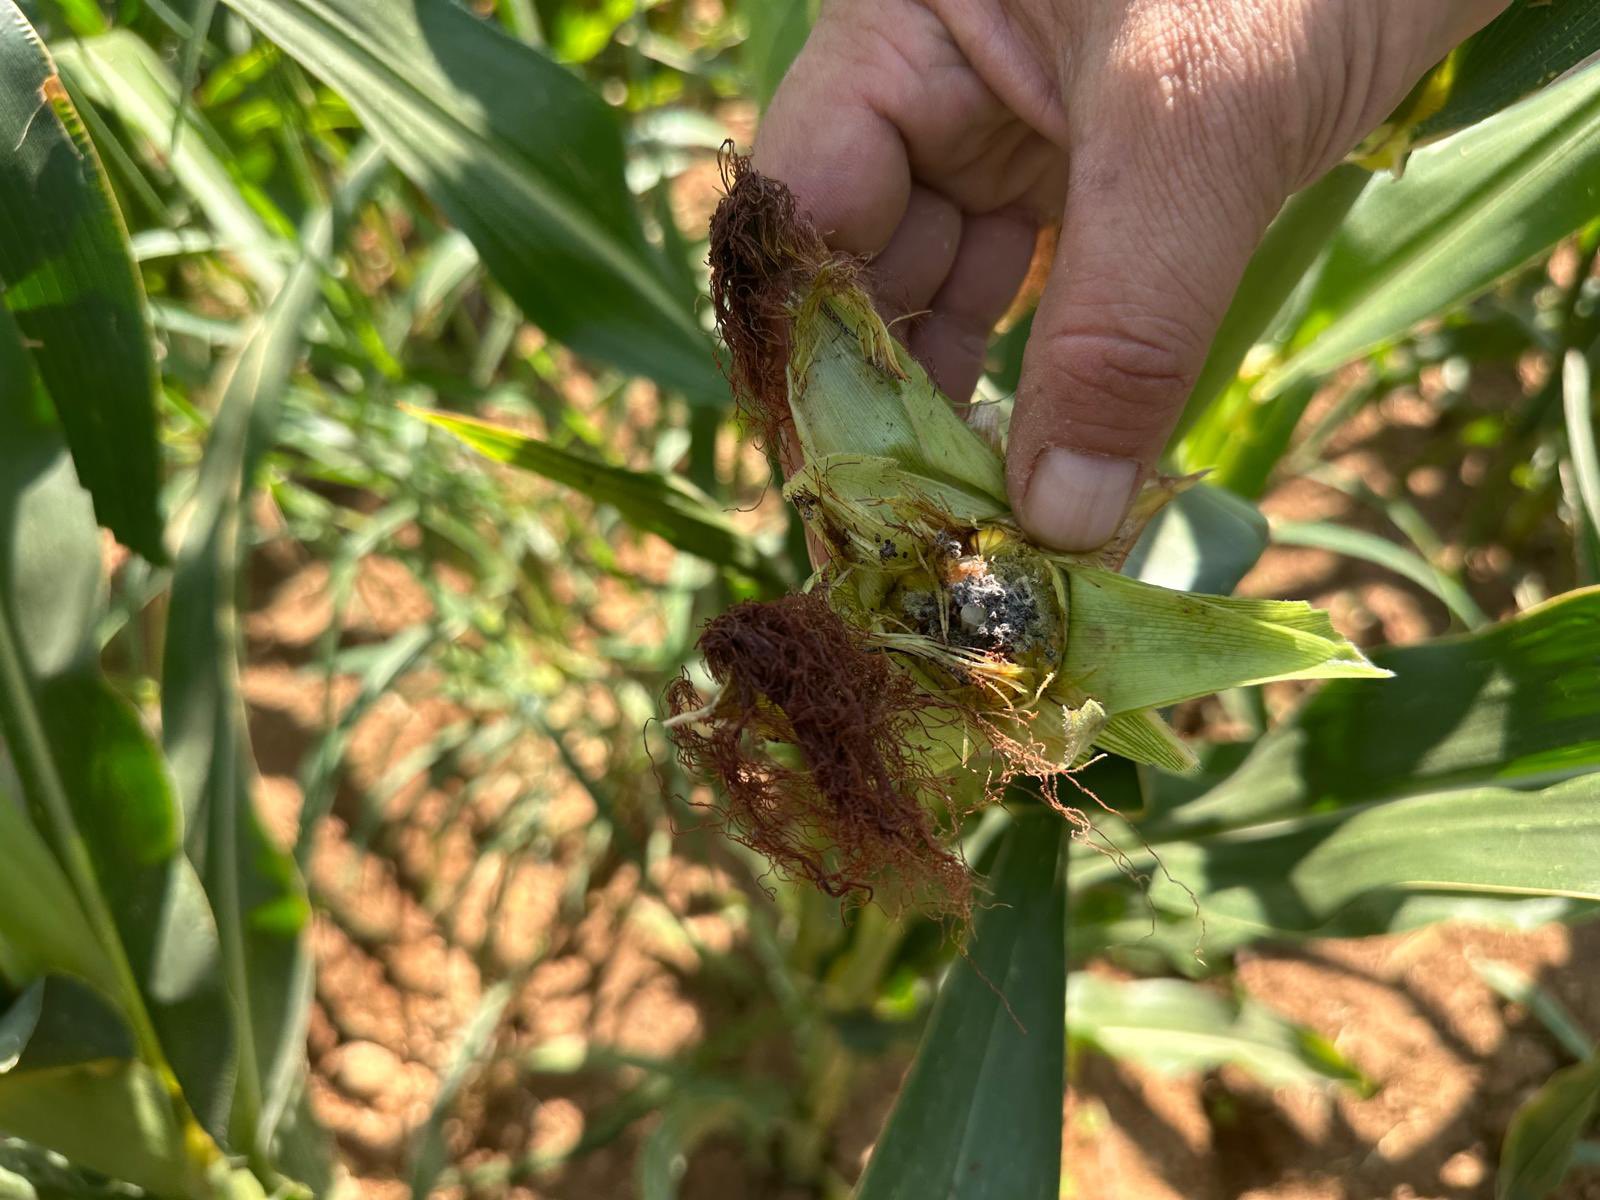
[[1131, 378]]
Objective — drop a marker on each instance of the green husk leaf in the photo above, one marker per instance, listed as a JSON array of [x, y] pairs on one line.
[[1144, 737], [854, 390], [909, 502], [1133, 646], [882, 485]]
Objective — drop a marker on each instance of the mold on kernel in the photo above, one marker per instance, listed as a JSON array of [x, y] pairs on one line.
[[1002, 605]]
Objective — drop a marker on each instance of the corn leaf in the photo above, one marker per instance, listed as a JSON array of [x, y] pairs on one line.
[[1520, 51], [1360, 869], [1577, 404], [43, 929], [1467, 211], [1545, 1131], [1293, 243], [1513, 704], [1174, 1026], [1369, 547], [979, 1117], [666, 505], [1206, 540], [523, 157], [1133, 646], [1368, 811], [70, 1080], [69, 278], [96, 786], [778, 28]]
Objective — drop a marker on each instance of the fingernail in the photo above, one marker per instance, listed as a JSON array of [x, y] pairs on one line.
[[1076, 501]]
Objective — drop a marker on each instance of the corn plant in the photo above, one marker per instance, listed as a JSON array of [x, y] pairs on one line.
[[153, 967]]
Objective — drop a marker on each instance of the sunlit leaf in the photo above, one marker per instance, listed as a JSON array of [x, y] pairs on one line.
[[1294, 241], [1369, 547], [522, 156], [1174, 1026], [666, 505], [1467, 211], [69, 279], [1513, 704], [1527, 46], [778, 28], [124, 75], [1369, 810], [1364, 868], [1578, 405]]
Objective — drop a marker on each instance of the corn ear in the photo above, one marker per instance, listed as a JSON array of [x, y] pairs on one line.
[[936, 652], [925, 558]]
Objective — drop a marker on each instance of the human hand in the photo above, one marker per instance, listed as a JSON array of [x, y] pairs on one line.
[[937, 136]]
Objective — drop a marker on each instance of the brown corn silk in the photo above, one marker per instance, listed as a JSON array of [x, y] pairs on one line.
[[816, 737], [763, 251], [855, 816]]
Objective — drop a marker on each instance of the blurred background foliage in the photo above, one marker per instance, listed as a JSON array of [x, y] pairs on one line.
[[535, 971]]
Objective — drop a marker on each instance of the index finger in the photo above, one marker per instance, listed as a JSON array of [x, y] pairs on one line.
[[845, 163]]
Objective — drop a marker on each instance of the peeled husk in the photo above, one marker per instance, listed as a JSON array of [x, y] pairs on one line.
[[954, 654]]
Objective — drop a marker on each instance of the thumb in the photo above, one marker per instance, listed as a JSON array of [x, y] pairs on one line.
[[1140, 282]]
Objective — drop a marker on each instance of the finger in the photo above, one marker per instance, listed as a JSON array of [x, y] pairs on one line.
[[990, 265], [910, 269], [1144, 269], [845, 163]]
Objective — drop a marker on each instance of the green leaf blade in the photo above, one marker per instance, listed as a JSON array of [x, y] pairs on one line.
[[979, 1117], [1467, 211], [1511, 704], [1523, 49], [665, 505], [70, 280], [1176, 1026], [521, 156], [73, 1084], [96, 785], [1544, 1133]]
